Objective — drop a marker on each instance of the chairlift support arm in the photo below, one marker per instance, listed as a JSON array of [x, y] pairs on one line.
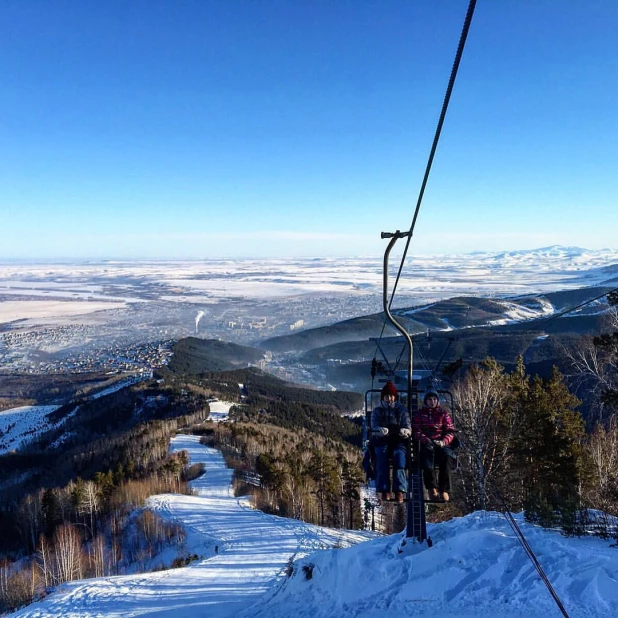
[[395, 236]]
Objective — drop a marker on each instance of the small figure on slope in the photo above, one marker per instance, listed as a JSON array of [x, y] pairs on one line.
[[390, 425], [433, 426]]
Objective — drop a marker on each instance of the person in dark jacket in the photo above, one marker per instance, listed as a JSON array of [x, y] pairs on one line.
[[433, 427], [390, 426]]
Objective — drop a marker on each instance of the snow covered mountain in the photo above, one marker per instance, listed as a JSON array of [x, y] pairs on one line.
[[427, 276], [475, 568]]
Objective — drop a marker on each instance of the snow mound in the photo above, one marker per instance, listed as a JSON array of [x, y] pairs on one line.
[[476, 568]]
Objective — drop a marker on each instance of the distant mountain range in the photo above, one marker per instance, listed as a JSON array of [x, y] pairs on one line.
[[456, 314]]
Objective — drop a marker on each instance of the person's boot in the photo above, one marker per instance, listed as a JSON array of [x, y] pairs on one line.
[[386, 495], [444, 496], [399, 496]]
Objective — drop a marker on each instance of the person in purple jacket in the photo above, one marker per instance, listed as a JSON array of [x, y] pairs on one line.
[[433, 427]]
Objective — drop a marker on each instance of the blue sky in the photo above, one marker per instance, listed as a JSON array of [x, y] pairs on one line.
[[202, 128]]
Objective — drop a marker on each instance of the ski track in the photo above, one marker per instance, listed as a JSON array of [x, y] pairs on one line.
[[476, 568], [254, 549]]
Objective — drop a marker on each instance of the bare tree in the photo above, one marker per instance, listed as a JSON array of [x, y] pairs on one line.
[[17, 586], [96, 556], [487, 426], [45, 561], [31, 517], [90, 504], [603, 449], [595, 367], [67, 554]]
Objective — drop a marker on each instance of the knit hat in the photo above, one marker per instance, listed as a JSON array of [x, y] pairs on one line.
[[429, 394], [389, 389]]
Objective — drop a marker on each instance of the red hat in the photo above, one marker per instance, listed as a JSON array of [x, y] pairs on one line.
[[389, 389]]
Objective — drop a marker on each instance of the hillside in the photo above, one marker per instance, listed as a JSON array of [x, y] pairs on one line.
[[271, 567], [193, 355], [355, 329], [464, 327], [456, 313], [112, 449]]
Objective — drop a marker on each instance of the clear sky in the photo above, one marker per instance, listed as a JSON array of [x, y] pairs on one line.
[[201, 128]]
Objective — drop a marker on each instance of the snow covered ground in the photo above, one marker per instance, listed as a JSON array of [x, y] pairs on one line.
[[38, 287], [20, 425], [476, 568], [219, 410], [254, 549]]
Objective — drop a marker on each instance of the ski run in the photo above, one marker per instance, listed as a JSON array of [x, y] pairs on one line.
[[476, 568]]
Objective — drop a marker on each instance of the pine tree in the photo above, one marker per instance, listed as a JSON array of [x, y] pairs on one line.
[[51, 510], [550, 449], [351, 478], [323, 471]]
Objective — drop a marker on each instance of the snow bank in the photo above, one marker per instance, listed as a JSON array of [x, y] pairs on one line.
[[475, 568]]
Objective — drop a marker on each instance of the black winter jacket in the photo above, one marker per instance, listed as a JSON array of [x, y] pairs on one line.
[[393, 419]]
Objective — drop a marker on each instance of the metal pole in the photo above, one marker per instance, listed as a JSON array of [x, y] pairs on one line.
[[416, 525]]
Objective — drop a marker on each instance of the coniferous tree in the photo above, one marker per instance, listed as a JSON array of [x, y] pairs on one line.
[[351, 479], [324, 473], [550, 454]]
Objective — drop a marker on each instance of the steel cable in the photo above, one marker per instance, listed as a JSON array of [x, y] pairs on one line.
[[445, 103], [434, 146]]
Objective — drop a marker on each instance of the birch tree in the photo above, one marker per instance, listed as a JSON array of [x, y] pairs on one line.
[[487, 424]]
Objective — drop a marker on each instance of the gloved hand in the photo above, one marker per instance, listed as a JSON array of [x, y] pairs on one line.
[[439, 443], [404, 432], [381, 431]]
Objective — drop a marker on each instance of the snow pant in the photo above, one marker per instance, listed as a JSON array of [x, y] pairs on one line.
[[383, 477], [369, 464], [430, 460]]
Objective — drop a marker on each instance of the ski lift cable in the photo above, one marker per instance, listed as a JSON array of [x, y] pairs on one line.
[[434, 146], [524, 543], [580, 306], [445, 103]]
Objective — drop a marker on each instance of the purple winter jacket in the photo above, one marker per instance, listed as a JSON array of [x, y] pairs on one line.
[[433, 424]]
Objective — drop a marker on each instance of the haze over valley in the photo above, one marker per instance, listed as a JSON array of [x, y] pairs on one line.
[[88, 316], [114, 315]]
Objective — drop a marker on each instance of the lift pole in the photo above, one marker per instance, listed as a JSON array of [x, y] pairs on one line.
[[416, 525]]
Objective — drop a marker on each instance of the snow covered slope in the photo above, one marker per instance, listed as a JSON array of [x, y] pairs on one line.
[[476, 568], [254, 549], [18, 425]]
